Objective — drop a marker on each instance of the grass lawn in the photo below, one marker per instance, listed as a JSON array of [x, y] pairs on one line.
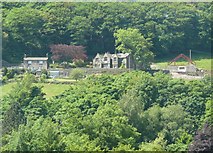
[[202, 60], [202, 63], [5, 89], [49, 89], [61, 80], [53, 89]]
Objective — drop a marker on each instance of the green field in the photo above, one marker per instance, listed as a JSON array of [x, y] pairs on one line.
[[62, 80], [5, 89], [53, 89], [202, 64], [49, 89]]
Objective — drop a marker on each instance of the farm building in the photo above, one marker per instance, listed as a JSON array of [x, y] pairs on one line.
[[189, 68]]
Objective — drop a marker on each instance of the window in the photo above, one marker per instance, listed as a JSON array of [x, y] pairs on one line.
[[181, 68], [105, 58], [115, 59], [29, 62], [41, 62], [105, 65]]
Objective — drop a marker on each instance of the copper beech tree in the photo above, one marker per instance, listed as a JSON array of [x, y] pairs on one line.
[[62, 52]]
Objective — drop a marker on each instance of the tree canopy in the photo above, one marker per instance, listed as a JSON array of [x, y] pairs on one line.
[[131, 41], [67, 53], [130, 111], [171, 27]]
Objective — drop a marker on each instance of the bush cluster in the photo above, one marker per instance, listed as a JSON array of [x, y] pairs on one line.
[[130, 111], [10, 73]]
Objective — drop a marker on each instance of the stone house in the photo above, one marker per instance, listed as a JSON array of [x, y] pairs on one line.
[[117, 60], [35, 63]]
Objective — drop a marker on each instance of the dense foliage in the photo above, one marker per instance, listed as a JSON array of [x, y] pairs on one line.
[[129, 111], [171, 27], [10, 73], [203, 140], [131, 41]]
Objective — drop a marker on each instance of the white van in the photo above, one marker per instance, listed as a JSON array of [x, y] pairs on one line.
[[182, 69]]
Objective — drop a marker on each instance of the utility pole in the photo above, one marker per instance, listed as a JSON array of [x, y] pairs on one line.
[[190, 54], [129, 62]]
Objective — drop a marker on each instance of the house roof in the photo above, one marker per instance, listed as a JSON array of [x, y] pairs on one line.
[[119, 55], [35, 58], [182, 56], [122, 55], [108, 55], [98, 55]]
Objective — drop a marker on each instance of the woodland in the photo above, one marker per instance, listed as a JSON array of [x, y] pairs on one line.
[[170, 28], [129, 111]]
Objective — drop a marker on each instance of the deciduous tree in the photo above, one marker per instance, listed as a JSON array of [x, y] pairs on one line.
[[133, 42], [67, 53]]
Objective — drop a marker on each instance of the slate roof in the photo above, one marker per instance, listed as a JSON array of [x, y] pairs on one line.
[[119, 55], [35, 58], [122, 55]]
